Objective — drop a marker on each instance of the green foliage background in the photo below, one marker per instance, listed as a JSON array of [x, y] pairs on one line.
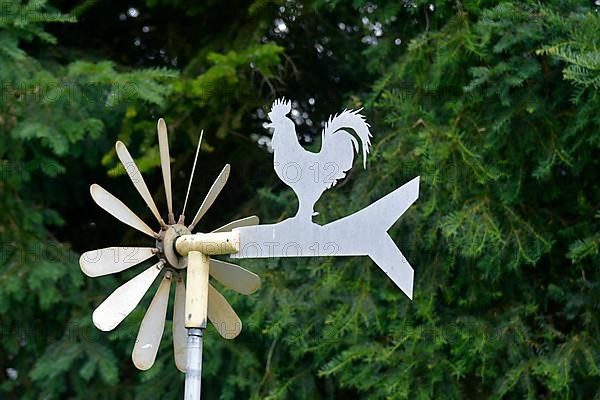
[[494, 104]]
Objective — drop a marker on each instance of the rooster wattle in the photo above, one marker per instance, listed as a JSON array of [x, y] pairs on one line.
[[310, 174]]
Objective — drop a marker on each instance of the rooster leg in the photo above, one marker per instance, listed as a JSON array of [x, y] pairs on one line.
[[305, 211]]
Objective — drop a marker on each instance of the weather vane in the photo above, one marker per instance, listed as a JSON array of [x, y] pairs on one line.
[[177, 248]]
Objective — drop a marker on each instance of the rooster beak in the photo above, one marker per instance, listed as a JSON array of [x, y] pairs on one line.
[[270, 125]]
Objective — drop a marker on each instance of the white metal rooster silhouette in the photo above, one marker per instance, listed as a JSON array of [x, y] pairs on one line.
[[310, 174]]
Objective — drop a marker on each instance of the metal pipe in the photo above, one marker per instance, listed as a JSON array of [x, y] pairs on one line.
[[193, 372]]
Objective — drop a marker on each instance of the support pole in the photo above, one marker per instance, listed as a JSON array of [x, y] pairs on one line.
[[196, 312], [193, 372], [197, 248]]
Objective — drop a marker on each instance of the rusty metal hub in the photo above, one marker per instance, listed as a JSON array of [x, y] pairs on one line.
[[166, 245]]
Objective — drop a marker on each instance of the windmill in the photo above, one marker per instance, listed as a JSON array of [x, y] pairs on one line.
[[363, 233], [113, 310]]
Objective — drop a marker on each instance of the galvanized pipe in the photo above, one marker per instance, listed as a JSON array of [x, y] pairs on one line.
[[193, 373]]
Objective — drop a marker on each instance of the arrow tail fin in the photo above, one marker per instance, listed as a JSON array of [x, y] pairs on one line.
[[380, 247], [390, 259]]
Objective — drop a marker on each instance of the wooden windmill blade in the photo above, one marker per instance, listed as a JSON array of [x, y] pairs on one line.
[[137, 179], [111, 260]]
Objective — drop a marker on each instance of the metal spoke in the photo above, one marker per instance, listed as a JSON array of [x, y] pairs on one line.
[[182, 216], [211, 196]]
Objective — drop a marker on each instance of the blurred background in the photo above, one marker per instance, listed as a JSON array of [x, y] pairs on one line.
[[494, 104]]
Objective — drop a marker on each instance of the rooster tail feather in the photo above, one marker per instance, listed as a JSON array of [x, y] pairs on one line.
[[351, 119]]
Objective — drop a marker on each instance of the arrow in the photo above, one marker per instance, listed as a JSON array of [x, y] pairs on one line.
[[363, 233]]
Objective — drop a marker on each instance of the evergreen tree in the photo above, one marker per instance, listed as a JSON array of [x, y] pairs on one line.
[[55, 110], [493, 103]]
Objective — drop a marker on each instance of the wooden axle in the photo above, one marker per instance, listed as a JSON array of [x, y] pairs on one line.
[[209, 243], [198, 248]]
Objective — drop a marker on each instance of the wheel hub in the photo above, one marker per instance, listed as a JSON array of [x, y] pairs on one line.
[[166, 245]]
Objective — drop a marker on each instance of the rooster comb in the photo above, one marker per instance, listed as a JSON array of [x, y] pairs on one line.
[[281, 107]]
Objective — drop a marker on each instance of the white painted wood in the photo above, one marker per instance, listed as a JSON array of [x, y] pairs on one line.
[[137, 179], [122, 301], [211, 196], [119, 210], [208, 243], [221, 315], [179, 331], [111, 260], [165, 164], [234, 277], [362, 233], [248, 221], [196, 295], [152, 327]]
